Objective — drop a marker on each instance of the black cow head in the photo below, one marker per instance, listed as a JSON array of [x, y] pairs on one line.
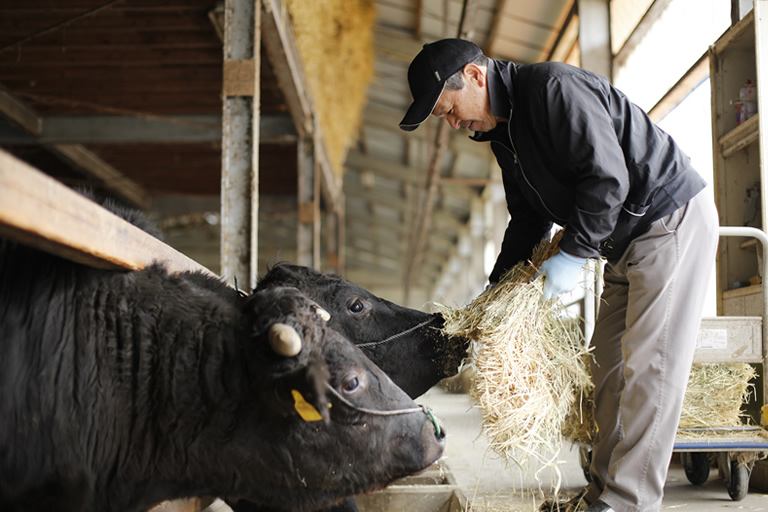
[[286, 331], [329, 441], [407, 344]]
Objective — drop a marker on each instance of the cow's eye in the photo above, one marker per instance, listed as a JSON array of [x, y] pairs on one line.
[[356, 307], [350, 385]]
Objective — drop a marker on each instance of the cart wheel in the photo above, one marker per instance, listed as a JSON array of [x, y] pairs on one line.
[[696, 465], [738, 485], [585, 460]]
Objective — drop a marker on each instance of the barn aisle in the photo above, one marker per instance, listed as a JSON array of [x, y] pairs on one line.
[[491, 486]]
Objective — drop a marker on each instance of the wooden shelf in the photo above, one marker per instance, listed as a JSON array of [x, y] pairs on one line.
[[740, 137]]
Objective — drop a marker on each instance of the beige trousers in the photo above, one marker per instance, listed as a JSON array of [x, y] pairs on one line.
[[643, 343]]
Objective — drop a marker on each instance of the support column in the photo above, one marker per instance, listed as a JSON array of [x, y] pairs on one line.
[[595, 36], [240, 143], [308, 235], [335, 237]]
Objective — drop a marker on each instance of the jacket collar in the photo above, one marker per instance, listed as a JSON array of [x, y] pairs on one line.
[[500, 94], [500, 88]]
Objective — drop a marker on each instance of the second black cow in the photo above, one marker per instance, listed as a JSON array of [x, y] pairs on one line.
[[409, 345]]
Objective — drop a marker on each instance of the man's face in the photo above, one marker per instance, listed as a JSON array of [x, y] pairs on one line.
[[468, 107]]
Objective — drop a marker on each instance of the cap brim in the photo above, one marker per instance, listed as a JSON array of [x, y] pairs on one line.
[[421, 109]]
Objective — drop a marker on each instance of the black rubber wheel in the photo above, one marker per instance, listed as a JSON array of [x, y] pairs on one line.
[[696, 466], [738, 486], [585, 460]]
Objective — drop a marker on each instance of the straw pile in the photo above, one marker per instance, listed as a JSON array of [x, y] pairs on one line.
[[715, 394], [713, 400], [335, 41], [529, 358]]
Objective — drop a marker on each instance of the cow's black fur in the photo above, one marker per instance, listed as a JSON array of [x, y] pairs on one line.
[[415, 361], [122, 389]]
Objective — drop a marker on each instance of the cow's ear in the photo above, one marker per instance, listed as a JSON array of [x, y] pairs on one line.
[[305, 392], [310, 398]]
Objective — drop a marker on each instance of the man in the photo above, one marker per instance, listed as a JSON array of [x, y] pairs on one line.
[[574, 151]]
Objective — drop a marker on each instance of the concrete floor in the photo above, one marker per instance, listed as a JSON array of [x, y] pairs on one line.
[[489, 485]]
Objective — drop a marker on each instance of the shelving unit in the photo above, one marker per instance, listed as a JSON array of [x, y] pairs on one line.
[[737, 160], [739, 332]]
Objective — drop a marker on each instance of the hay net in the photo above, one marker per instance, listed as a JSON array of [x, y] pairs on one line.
[[530, 362]]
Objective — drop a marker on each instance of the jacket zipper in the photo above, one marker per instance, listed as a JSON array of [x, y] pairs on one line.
[[522, 172]]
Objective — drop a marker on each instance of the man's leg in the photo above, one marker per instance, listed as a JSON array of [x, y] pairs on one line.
[[667, 270]]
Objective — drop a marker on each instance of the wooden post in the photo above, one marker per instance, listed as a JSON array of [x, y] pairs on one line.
[[308, 231], [240, 142]]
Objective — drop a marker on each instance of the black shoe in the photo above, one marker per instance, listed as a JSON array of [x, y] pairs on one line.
[[574, 504], [599, 506]]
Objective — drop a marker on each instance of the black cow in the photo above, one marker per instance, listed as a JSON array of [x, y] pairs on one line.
[[407, 344], [119, 390]]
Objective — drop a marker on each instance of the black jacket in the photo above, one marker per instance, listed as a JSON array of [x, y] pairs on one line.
[[576, 152]]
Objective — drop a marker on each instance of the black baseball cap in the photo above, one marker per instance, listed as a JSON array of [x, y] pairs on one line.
[[428, 72]]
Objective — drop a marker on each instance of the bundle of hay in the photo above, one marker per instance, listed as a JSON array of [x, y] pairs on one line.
[[715, 394], [530, 363], [713, 400]]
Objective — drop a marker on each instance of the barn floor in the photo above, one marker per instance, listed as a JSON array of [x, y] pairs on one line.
[[490, 486]]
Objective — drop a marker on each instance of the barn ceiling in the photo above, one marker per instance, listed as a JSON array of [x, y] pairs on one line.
[[124, 97]]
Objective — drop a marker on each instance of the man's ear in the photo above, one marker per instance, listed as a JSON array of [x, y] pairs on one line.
[[475, 74]]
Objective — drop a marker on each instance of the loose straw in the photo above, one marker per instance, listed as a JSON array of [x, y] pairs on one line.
[[530, 362]]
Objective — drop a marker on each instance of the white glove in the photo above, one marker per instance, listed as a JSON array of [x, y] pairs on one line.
[[561, 274]]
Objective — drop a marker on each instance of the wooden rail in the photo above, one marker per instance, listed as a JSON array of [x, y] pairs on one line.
[[39, 211]]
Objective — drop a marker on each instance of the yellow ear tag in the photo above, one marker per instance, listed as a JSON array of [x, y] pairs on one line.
[[304, 408]]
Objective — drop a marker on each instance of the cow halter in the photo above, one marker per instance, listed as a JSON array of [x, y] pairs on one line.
[[395, 336], [393, 412]]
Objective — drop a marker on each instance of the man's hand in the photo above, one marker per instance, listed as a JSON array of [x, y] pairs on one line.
[[561, 274]]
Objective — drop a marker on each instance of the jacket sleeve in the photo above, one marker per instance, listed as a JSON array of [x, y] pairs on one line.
[[524, 231], [582, 131]]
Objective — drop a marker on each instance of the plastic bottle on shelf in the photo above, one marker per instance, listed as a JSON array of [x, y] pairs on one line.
[[746, 107]]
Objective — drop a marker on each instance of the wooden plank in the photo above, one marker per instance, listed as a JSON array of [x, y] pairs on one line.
[[39, 211], [690, 81]]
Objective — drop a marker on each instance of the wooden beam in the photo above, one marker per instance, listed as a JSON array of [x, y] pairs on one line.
[[645, 24], [133, 129], [395, 46], [39, 211], [384, 167], [18, 112], [459, 141], [689, 81], [30, 122], [567, 36], [282, 52], [112, 179]]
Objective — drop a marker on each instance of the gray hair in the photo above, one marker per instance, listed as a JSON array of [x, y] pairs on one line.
[[456, 80]]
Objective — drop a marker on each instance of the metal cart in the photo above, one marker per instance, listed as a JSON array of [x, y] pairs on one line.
[[731, 339], [726, 339]]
